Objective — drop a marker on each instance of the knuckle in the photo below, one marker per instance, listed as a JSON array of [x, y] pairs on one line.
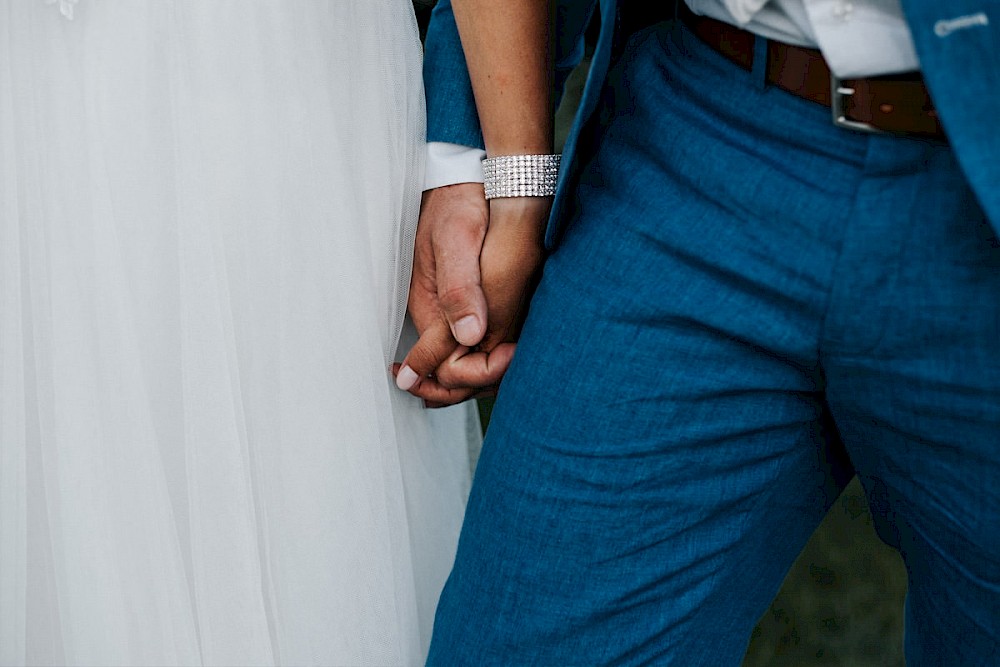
[[457, 298], [422, 360], [462, 230], [450, 378], [431, 349], [457, 377], [445, 377]]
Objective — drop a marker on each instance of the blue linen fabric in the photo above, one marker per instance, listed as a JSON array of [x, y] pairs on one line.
[[747, 307]]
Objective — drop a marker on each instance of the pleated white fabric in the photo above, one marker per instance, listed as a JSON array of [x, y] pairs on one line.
[[206, 215]]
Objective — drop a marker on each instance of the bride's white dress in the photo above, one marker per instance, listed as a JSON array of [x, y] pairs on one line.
[[206, 210]]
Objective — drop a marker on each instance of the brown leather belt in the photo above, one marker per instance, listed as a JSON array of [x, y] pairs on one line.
[[897, 104]]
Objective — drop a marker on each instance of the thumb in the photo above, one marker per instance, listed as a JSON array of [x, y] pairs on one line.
[[465, 310], [459, 288], [434, 346]]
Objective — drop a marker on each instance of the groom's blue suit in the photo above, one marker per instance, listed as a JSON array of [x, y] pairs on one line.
[[744, 307]]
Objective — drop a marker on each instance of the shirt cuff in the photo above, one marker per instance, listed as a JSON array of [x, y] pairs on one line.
[[448, 164]]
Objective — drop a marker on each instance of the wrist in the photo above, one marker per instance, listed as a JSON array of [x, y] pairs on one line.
[[521, 221], [532, 175]]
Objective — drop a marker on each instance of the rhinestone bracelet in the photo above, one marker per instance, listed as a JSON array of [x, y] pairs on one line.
[[520, 175]]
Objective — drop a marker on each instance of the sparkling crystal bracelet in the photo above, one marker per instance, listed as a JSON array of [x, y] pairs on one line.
[[520, 175]]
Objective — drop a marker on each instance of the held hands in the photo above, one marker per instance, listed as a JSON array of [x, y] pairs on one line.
[[475, 267], [507, 47]]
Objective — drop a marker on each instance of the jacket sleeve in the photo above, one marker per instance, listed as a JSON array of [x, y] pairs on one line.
[[451, 108]]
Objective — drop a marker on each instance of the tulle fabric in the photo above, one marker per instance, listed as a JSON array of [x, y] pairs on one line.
[[206, 212]]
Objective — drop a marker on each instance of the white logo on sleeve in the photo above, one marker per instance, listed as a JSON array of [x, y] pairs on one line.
[[945, 27]]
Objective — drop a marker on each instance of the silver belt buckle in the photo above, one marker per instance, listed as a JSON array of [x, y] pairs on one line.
[[838, 91]]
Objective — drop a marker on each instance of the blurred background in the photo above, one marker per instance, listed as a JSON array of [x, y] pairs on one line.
[[842, 601]]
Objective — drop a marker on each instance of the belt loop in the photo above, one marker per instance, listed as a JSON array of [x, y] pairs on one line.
[[759, 69]]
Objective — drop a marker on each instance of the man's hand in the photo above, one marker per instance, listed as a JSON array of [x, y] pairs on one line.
[[446, 287], [446, 299], [438, 368]]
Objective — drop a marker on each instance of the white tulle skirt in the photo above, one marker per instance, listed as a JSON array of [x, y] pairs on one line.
[[206, 210]]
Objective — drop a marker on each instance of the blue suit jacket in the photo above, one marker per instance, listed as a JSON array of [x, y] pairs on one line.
[[958, 43]]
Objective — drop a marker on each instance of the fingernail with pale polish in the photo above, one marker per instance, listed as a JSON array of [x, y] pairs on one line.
[[406, 378], [467, 329]]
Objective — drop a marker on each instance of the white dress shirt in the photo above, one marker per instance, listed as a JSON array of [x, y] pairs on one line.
[[858, 38]]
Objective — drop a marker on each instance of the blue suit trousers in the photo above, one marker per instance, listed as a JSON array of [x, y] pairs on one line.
[[748, 307]]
